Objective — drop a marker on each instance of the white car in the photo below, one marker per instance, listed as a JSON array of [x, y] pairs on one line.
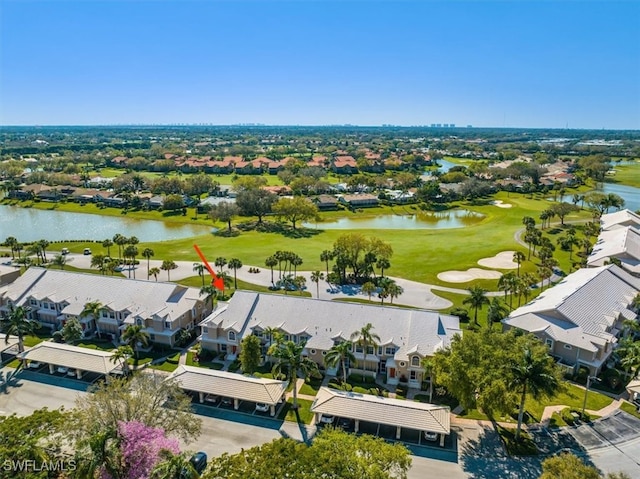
[[430, 436], [34, 365], [212, 398], [324, 419], [62, 370], [262, 407]]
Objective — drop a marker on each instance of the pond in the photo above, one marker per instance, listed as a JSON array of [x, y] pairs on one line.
[[423, 221], [28, 224], [630, 194]]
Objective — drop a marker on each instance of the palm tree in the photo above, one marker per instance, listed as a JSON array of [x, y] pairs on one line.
[[497, 312], [629, 352], [107, 244], [369, 288], [173, 466], [519, 257], [43, 244], [220, 262], [394, 290], [17, 324], [291, 363], [427, 365], [11, 242], [93, 309], [340, 353], [272, 333], [235, 264], [295, 262], [133, 336], [270, 262], [382, 264], [154, 272], [365, 338], [131, 252], [199, 268], [98, 262], [122, 355], [209, 292], [168, 265], [476, 299], [316, 277], [536, 375], [120, 240], [59, 260], [148, 253], [326, 256]]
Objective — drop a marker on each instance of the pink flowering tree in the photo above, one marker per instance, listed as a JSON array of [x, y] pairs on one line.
[[141, 447]]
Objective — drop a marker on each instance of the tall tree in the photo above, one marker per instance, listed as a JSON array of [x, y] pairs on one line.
[[270, 262], [168, 265], [155, 272], [224, 212], [365, 337], [17, 324], [535, 374], [476, 299], [316, 277], [134, 336], [210, 293], [200, 269], [291, 362], [518, 257], [72, 331], [148, 253], [496, 312], [235, 264], [107, 244], [255, 202], [295, 210], [121, 355], [369, 288], [250, 354], [340, 354], [220, 263], [326, 256]]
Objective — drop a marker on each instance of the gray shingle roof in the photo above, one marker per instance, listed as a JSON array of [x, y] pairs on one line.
[[618, 219], [585, 305], [324, 321], [69, 356], [224, 383], [144, 298], [623, 243], [394, 412]]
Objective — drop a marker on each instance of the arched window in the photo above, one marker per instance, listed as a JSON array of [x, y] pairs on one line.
[[232, 336], [415, 361]]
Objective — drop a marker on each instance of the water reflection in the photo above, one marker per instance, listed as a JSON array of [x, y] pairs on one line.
[[458, 218]]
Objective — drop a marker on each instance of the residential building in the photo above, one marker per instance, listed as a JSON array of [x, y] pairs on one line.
[[580, 319], [621, 243], [619, 219], [360, 200], [55, 296], [406, 335]]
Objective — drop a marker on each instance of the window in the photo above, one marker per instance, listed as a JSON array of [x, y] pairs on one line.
[[370, 349], [45, 305], [402, 364], [138, 321], [324, 353], [232, 336], [112, 315], [167, 325], [359, 348], [379, 350], [259, 333], [294, 338], [33, 302], [415, 361], [152, 337], [412, 375], [205, 329], [567, 346], [223, 348], [313, 351], [390, 350], [286, 337], [549, 342]]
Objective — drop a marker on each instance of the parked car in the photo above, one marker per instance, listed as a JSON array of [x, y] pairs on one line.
[[430, 436], [227, 401], [262, 407], [345, 423], [86, 251], [324, 419], [34, 364], [199, 461], [212, 398], [636, 399], [64, 251], [62, 370]]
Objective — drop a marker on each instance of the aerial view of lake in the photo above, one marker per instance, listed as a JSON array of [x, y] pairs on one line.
[[28, 224], [425, 221]]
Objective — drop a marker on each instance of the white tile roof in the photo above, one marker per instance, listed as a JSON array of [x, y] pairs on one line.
[[622, 243], [584, 306], [143, 298], [619, 219], [224, 383], [85, 359], [394, 412], [324, 321]]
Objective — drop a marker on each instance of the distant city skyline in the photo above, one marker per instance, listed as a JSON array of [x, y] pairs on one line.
[[518, 64]]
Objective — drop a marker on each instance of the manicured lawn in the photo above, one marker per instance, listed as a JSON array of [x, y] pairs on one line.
[[302, 414], [169, 365], [311, 386], [630, 408], [101, 345], [196, 282], [627, 174], [210, 364]]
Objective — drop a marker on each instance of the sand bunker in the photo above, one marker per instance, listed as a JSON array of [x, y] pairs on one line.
[[500, 204], [468, 275], [502, 260]]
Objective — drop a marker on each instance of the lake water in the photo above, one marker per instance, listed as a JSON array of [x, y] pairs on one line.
[[630, 194], [28, 224], [422, 221]]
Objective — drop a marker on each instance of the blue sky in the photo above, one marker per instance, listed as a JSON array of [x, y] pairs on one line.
[[507, 63]]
